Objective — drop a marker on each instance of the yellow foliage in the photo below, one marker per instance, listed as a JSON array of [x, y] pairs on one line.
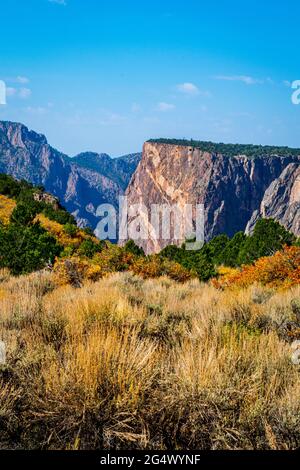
[[113, 258], [6, 208], [57, 230], [226, 271], [75, 270], [152, 267]]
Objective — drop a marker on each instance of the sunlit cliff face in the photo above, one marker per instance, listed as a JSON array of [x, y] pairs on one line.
[[232, 189]]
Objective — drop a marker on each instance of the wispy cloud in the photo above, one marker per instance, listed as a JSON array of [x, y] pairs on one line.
[[164, 107], [22, 80], [22, 93], [188, 88], [58, 2], [241, 78]]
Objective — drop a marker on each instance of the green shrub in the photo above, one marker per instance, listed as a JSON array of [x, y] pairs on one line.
[[70, 230], [131, 247], [24, 214], [24, 249], [89, 248], [268, 237]]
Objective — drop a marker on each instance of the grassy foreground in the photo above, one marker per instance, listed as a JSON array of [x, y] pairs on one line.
[[148, 364]]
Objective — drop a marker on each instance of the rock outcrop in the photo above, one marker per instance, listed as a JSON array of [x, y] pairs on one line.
[[281, 201], [231, 188]]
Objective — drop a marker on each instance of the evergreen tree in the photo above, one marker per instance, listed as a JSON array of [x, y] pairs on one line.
[[268, 237]]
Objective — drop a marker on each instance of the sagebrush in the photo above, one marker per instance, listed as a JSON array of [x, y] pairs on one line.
[[126, 363]]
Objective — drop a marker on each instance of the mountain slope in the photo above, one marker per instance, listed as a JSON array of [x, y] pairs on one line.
[[27, 155], [118, 169], [231, 189]]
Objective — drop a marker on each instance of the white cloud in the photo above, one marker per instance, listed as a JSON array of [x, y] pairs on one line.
[[163, 107], [241, 78], [188, 88], [59, 2]]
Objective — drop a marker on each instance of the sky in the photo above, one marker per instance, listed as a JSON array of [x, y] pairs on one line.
[[105, 76]]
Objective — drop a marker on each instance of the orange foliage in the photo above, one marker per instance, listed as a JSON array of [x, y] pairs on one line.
[[280, 270]]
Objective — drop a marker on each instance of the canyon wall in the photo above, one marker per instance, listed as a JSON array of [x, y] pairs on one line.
[[232, 189]]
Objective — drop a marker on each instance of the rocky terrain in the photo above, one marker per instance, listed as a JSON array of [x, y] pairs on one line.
[[81, 183], [281, 200], [234, 190]]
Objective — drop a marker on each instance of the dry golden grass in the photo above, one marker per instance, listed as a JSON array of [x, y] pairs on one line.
[[149, 364]]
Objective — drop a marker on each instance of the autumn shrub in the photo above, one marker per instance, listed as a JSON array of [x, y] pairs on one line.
[[75, 271], [282, 270], [114, 258], [154, 266], [6, 208]]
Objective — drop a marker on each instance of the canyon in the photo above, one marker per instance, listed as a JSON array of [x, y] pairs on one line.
[[236, 187]]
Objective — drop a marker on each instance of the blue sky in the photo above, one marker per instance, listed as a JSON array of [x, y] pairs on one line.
[[106, 76]]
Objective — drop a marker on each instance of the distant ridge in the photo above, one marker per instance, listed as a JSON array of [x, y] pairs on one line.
[[119, 169], [81, 183], [232, 150]]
